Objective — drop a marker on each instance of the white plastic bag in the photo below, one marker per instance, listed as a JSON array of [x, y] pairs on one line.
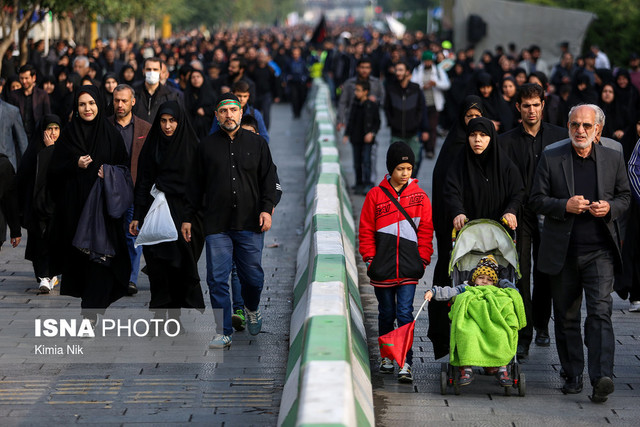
[[158, 226]]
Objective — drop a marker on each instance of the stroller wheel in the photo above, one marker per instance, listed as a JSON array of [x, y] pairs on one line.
[[522, 385], [444, 367], [444, 380]]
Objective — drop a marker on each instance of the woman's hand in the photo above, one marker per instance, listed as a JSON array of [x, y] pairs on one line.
[[101, 172], [48, 140], [459, 221], [84, 161], [186, 231], [133, 228], [512, 222], [200, 111]]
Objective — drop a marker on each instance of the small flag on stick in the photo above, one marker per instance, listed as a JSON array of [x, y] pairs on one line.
[[396, 344]]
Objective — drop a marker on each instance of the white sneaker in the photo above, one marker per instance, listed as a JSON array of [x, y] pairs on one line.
[[45, 285], [220, 341], [386, 366], [634, 306], [54, 282]]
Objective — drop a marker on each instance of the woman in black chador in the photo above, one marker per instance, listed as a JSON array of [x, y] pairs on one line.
[[85, 144], [456, 141], [36, 203], [166, 161]]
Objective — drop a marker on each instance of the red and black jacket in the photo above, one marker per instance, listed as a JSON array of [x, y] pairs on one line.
[[388, 243]]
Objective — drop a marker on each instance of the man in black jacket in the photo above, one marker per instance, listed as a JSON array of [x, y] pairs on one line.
[[403, 105], [236, 178], [151, 94], [524, 144], [33, 102], [582, 189]]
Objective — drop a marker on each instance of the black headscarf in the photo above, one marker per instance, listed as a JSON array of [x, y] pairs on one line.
[[121, 78], [32, 175], [495, 107], [626, 98], [164, 160], [485, 185], [200, 97], [107, 97]]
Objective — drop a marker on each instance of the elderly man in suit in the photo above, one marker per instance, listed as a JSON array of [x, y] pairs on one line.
[[582, 189]]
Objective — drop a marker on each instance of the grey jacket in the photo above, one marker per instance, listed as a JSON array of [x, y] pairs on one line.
[[13, 139], [348, 95]]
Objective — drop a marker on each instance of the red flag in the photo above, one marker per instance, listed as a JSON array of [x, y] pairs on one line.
[[397, 343]]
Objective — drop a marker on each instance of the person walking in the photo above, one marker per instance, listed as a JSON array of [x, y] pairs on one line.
[[235, 176], [86, 144], [582, 189], [165, 161]]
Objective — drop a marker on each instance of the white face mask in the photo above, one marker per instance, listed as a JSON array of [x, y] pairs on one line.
[[152, 77]]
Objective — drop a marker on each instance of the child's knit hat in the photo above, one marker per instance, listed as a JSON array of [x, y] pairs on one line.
[[487, 266], [399, 152]]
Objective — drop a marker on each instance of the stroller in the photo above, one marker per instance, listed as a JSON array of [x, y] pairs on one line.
[[477, 239]]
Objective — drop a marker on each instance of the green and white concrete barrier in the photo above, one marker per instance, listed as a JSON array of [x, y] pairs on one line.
[[328, 376]]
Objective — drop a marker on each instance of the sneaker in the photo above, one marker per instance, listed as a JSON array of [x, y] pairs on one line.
[[386, 366], [602, 388], [634, 306], [45, 285], [132, 289], [238, 321], [255, 321], [466, 376], [54, 282], [503, 378], [404, 375], [220, 341]]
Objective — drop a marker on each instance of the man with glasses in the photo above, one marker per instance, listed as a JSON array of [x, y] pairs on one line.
[[582, 189]]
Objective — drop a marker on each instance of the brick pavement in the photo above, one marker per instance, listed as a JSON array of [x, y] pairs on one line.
[[483, 402], [243, 389]]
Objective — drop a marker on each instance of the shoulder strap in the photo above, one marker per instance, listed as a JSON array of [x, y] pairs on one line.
[[400, 208]]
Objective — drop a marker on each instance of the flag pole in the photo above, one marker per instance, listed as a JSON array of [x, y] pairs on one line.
[[420, 310]]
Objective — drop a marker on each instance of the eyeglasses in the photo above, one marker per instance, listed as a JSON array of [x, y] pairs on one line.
[[585, 126]]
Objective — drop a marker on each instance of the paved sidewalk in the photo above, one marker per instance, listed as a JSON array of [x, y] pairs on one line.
[[244, 389], [483, 402]]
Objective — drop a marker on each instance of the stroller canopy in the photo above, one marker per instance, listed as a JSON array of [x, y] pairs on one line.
[[479, 238]]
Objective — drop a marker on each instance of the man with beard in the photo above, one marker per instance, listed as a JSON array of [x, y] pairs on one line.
[[524, 144], [363, 73], [235, 177], [33, 102], [134, 131], [235, 73], [582, 189]]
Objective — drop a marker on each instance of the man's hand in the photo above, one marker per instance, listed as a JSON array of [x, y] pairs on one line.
[[577, 205], [458, 222], [265, 221], [15, 241], [345, 139], [186, 231], [424, 136], [368, 138], [512, 222], [600, 208], [428, 295], [133, 228], [83, 161]]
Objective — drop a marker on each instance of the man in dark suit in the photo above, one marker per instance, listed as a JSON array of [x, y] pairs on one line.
[[134, 132], [582, 189], [32, 101], [524, 144]]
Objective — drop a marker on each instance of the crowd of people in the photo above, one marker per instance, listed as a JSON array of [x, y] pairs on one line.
[[189, 118]]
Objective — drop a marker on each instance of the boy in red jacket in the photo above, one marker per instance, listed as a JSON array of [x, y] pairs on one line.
[[396, 245]]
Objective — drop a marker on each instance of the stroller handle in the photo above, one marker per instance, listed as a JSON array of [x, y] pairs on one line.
[[503, 221]]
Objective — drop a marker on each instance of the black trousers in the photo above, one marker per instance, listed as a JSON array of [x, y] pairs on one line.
[[537, 303], [592, 274]]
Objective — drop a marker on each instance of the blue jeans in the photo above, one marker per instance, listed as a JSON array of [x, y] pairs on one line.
[[134, 253], [236, 289], [395, 302], [244, 248]]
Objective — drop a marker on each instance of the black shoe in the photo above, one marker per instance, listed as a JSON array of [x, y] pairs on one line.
[[132, 289], [542, 338], [602, 388], [522, 353], [563, 374], [572, 385]]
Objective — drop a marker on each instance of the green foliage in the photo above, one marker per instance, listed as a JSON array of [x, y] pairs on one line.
[[616, 29]]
